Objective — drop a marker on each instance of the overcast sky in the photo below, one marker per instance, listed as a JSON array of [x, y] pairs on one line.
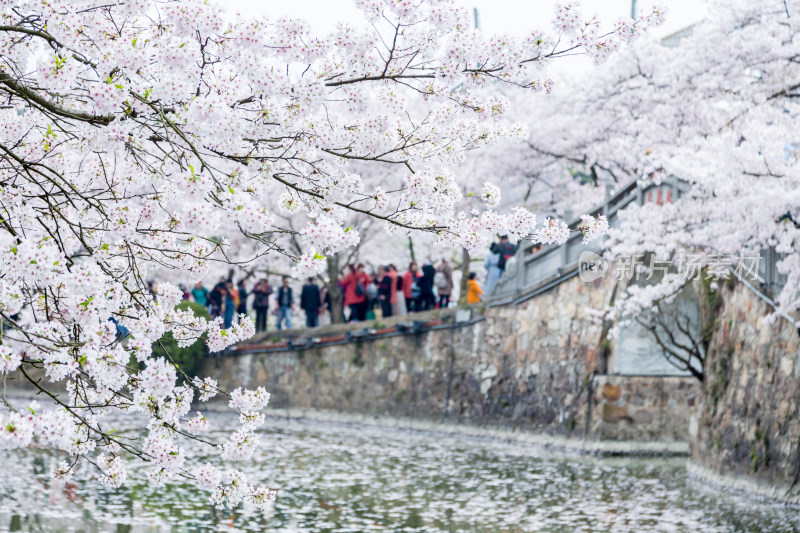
[[517, 17]]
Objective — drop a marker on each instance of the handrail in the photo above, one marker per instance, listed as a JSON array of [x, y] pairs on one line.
[[764, 298], [528, 268], [527, 271]]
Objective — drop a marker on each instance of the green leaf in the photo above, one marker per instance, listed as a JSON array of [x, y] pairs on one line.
[[104, 247], [318, 255]]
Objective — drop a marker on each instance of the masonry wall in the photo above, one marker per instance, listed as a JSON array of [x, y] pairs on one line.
[[748, 425], [528, 366]]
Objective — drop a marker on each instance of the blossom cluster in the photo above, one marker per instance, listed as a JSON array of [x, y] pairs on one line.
[[592, 228], [219, 338]]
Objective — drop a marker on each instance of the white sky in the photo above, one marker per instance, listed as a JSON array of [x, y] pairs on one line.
[[515, 17]]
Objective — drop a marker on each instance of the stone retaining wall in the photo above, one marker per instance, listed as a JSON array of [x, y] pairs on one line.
[[529, 366], [748, 426], [642, 407]]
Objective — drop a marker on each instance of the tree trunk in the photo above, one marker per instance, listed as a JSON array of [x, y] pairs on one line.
[[334, 291], [411, 249], [462, 293]]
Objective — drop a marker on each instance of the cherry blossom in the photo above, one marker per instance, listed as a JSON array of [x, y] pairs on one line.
[[715, 109], [248, 401], [491, 195], [197, 424], [208, 477], [592, 228], [145, 140], [9, 360], [207, 387], [114, 473]]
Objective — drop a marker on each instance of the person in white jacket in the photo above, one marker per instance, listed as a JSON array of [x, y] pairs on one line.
[[492, 264]]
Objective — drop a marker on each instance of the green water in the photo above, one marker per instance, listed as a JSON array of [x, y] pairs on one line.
[[336, 477]]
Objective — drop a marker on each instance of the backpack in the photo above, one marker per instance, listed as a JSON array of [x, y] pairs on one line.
[[416, 291], [506, 250], [372, 291], [359, 289], [440, 280]]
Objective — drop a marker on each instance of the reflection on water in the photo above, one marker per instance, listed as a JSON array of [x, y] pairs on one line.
[[354, 478]]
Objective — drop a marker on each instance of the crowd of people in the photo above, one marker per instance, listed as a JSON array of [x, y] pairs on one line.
[[395, 294], [227, 300], [364, 294]]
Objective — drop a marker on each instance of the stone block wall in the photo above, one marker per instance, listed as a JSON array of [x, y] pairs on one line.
[[403, 375], [528, 366], [748, 425], [641, 407]]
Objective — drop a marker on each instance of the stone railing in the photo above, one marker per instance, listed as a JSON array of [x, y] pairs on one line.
[[534, 268], [770, 280]]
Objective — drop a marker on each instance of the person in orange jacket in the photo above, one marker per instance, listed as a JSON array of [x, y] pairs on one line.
[[474, 290]]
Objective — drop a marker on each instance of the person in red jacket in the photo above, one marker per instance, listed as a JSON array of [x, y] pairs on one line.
[[365, 280], [355, 293]]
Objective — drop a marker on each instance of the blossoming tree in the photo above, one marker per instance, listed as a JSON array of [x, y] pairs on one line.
[[143, 135], [718, 110]]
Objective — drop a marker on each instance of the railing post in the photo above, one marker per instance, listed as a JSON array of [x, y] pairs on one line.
[[769, 271], [675, 187], [607, 201]]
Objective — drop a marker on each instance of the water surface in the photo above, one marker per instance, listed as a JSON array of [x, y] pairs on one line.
[[346, 478]]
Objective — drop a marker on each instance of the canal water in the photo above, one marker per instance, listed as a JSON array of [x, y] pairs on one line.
[[347, 478]]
